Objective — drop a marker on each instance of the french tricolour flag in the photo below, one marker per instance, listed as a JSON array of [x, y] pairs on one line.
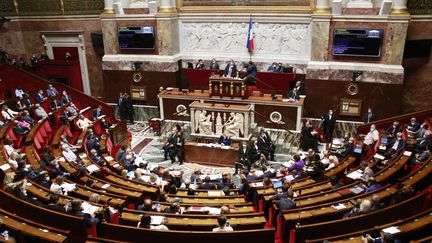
[[250, 40]]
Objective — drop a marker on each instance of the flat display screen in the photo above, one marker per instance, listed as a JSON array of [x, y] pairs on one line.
[[357, 42], [136, 37]]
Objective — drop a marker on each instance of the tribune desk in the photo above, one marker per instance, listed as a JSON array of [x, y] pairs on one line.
[[209, 154], [267, 112]]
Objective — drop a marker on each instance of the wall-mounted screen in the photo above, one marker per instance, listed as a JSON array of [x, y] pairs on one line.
[[357, 42], [136, 37]]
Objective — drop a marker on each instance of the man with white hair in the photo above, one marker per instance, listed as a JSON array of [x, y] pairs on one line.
[[372, 136], [40, 112], [68, 154]]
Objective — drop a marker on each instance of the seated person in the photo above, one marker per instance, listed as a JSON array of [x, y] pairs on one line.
[[146, 223], [273, 68], [76, 210], [7, 113], [393, 130], [146, 206], [398, 144], [55, 104], [223, 225], [231, 70], [224, 139], [40, 112], [39, 97], [294, 95], [83, 123], [174, 208], [372, 185], [372, 137], [413, 126], [97, 112], [297, 165], [207, 185], [200, 64]]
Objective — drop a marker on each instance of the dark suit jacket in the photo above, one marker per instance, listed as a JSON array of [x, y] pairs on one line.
[[253, 153], [92, 144], [19, 130], [221, 140], [295, 96], [66, 99], [233, 72], [96, 113], [400, 146], [392, 131], [207, 186], [199, 66], [243, 155], [371, 118], [39, 98], [55, 104], [214, 66], [329, 124]]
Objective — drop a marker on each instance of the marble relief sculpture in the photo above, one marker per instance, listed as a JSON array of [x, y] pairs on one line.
[[270, 38], [204, 123], [234, 124]]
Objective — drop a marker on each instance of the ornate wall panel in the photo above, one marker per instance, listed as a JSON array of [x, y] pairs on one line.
[[246, 2], [7, 8], [272, 40], [83, 6], [39, 7], [420, 6]]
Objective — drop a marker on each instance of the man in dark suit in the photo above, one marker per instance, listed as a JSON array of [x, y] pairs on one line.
[[308, 139], [369, 116], [329, 121], [92, 143], [55, 104], [251, 74], [231, 70], [254, 153], [266, 145], [97, 112], [200, 64], [243, 157], [300, 88], [393, 130], [294, 94], [178, 148], [39, 96], [214, 65], [398, 144], [68, 57], [66, 98], [169, 143], [207, 185]]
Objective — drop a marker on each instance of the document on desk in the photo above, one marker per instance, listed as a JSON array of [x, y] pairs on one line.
[[213, 210], [92, 168], [215, 193], [355, 174], [68, 187], [391, 230], [339, 206], [196, 209], [357, 190], [156, 220], [257, 184], [88, 208], [5, 167]]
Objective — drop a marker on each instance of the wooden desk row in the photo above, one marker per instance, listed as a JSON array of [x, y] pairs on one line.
[[27, 231], [410, 228]]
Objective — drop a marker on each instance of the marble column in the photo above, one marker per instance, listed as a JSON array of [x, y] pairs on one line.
[[109, 8], [168, 36], [167, 6], [322, 7], [399, 7], [320, 37], [360, 4]]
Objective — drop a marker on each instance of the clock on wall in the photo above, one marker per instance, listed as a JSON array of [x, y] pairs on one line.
[[352, 89]]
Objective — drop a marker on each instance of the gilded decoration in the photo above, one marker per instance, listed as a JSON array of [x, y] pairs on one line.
[[420, 7]]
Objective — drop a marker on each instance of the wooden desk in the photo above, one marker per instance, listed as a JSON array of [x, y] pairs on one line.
[[31, 229], [228, 87], [209, 155]]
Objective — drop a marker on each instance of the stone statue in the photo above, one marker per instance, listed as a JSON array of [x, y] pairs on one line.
[[205, 123], [234, 124]]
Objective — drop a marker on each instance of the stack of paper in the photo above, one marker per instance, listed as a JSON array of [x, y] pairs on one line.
[[257, 184], [109, 158], [338, 206], [357, 190], [88, 208], [92, 168], [215, 193], [391, 230], [156, 220], [213, 210], [68, 187], [355, 174]]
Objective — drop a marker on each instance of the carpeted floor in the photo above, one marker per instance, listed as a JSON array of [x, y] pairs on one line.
[[149, 147]]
